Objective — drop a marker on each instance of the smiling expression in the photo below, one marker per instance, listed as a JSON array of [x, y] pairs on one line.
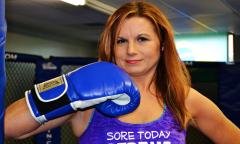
[[137, 48]]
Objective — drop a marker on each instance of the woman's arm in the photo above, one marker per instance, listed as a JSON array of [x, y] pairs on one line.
[[19, 122], [80, 121], [210, 120]]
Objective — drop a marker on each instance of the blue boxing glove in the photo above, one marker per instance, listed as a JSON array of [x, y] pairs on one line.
[[101, 84]]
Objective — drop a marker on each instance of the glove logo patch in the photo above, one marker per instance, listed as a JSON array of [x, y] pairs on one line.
[[50, 84]]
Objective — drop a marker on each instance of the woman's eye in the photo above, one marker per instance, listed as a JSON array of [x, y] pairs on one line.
[[142, 39], [120, 41]]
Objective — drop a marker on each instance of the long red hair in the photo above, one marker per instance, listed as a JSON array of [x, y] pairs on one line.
[[171, 78]]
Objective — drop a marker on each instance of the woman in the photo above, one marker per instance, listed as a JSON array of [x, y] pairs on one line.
[[139, 39]]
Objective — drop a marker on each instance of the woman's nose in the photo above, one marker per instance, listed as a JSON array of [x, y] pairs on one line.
[[132, 47]]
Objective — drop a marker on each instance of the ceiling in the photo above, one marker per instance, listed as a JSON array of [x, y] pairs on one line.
[[56, 19]]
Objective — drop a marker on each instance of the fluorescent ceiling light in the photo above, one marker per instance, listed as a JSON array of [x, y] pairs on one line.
[[100, 6], [75, 2]]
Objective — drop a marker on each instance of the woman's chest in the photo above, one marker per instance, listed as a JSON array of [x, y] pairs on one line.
[[112, 131], [149, 110]]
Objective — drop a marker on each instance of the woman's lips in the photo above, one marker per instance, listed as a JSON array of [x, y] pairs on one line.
[[132, 61]]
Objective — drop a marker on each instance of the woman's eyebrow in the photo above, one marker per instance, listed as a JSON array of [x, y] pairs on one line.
[[144, 34], [120, 37]]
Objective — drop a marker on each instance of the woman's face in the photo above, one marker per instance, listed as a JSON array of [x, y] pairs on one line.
[[137, 48]]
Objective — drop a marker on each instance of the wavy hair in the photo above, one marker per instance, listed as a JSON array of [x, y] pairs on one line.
[[171, 78]]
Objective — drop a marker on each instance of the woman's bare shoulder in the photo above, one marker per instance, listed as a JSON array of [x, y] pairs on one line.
[[194, 101]]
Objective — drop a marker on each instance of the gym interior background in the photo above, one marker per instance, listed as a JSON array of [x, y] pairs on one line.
[[64, 37]]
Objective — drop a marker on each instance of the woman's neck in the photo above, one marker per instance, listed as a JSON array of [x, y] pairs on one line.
[[144, 84]]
